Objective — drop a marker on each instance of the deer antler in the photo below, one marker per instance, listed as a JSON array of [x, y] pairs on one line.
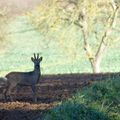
[[34, 56], [37, 55]]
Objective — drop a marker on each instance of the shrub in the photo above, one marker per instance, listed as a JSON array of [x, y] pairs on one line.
[[103, 96], [74, 111]]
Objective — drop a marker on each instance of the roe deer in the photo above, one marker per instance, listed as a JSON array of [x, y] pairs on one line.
[[24, 78]]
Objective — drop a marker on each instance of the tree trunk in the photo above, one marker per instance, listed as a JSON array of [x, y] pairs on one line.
[[96, 66]]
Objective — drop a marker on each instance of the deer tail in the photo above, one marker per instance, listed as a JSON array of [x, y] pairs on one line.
[[3, 82]]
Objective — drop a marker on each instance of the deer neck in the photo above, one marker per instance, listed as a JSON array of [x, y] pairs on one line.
[[37, 73], [37, 70]]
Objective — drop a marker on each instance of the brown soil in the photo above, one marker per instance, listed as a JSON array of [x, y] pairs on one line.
[[50, 90], [23, 110]]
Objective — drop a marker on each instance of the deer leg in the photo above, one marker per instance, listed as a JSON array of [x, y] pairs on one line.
[[5, 90], [5, 94], [34, 93], [9, 91], [18, 87]]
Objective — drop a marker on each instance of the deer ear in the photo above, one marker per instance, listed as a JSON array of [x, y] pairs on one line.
[[41, 58], [32, 59]]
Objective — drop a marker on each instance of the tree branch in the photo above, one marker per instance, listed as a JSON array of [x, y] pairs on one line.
[[103, 44], [80, 24], [85, 36]]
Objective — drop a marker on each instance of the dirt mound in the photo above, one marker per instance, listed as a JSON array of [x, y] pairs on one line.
[[23, 110]]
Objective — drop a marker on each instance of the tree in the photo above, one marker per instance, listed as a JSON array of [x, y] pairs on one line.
[[86, 15]]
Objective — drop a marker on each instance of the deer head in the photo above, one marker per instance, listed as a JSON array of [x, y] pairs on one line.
[[36, 60]]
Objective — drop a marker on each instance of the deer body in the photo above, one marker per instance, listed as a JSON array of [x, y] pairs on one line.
[[24, 78]]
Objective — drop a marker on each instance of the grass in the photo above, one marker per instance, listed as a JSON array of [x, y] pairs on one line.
[[100, 101], [74, 111], [23, 41], [103, 96]]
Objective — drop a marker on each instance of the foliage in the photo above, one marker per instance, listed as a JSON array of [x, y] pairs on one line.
[[94, 21], [74, 111], [103, 96], [55, 15], [51, 13]]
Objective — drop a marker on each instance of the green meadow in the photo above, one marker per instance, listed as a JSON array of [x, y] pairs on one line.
[[23, 40]]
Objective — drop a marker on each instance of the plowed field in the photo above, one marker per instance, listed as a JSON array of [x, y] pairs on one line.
[[50, 90]]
